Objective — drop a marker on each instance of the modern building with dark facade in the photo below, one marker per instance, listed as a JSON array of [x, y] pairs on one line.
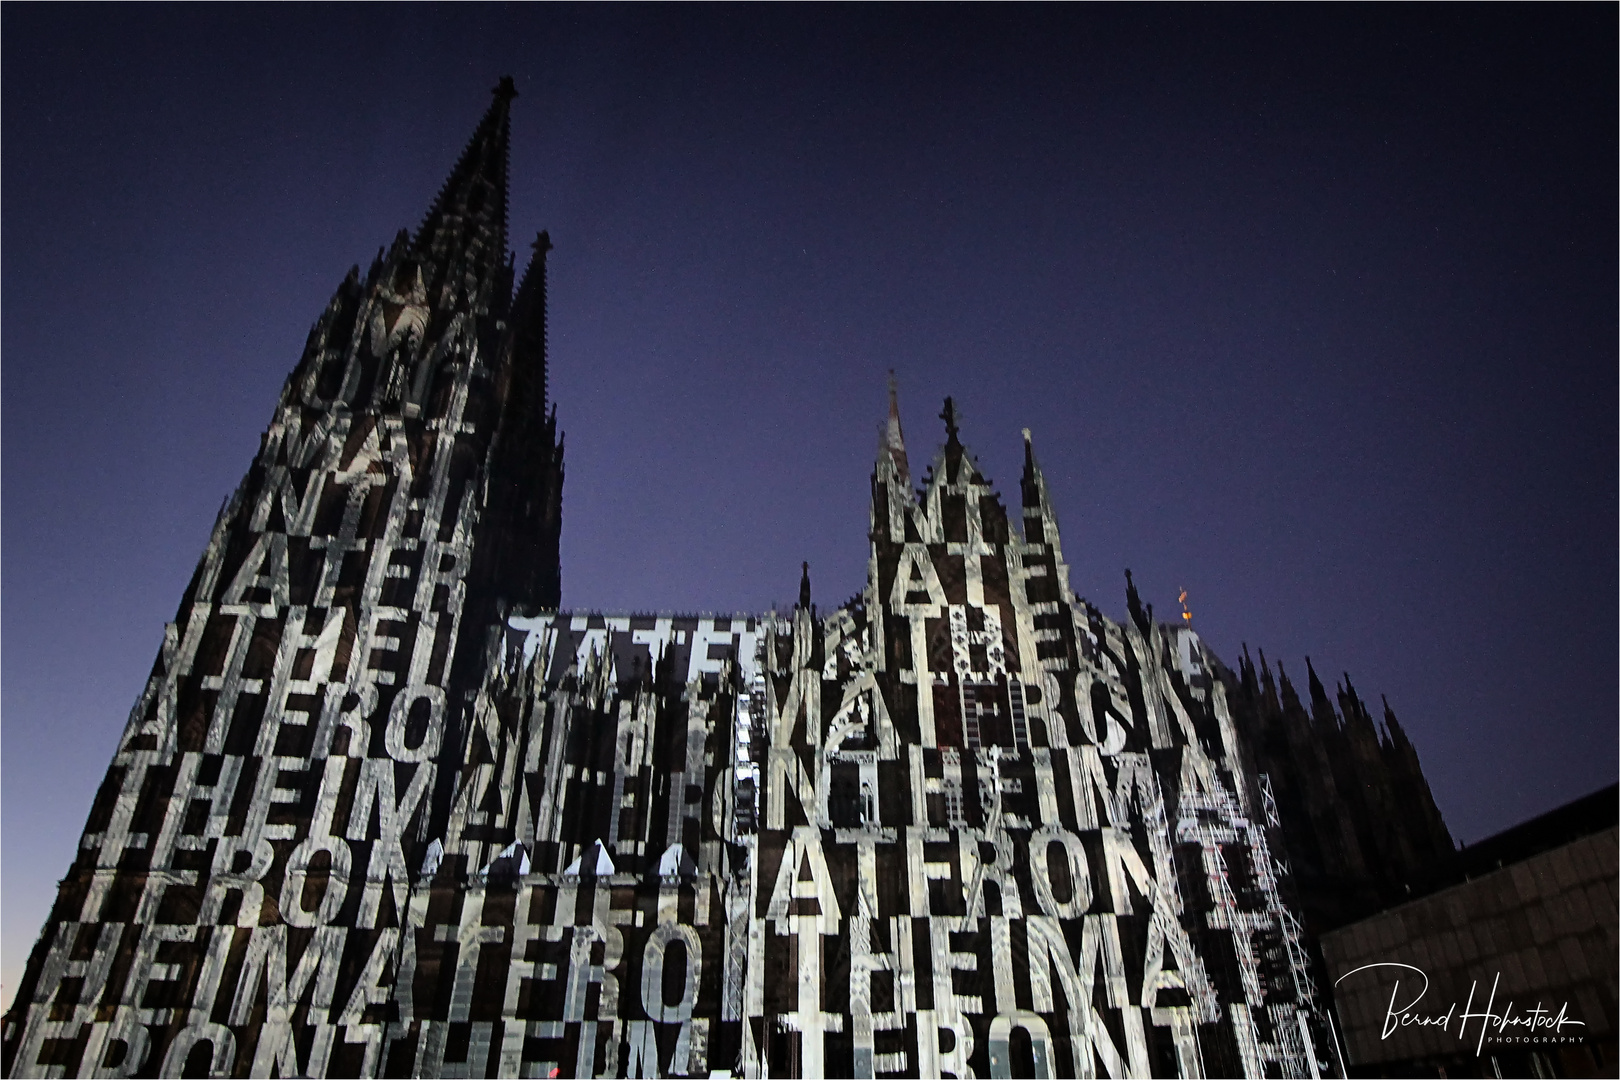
[[384, 809], [1514, 964]]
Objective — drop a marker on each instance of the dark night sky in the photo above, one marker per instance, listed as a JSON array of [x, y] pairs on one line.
[[1311, 311]]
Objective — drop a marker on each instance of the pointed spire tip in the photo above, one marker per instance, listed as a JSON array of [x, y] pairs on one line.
[[891, 443], [467, 220]]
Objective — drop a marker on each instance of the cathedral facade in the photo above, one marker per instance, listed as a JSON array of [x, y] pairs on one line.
[[384, 809]]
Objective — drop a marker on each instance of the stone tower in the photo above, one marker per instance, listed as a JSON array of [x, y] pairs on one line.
[[250, 851]]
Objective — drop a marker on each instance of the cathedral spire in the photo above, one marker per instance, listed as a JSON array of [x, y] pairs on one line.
[[1397, 736], [893, 444], [1040, 523], [1133, 602], [1321, 708], [520, 560], [1246, 673], [1032, 484], [528, 327], [953, 444], [948, 414], [467, 222]]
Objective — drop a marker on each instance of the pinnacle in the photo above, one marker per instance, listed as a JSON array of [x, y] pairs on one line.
[[953, 444], [892, 442], [1032, 485], [1133, 603]]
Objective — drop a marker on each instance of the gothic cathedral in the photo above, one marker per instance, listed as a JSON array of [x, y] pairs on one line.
[[383, 809]]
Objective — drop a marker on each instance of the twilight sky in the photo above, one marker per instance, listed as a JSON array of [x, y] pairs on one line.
[[1312, 312]]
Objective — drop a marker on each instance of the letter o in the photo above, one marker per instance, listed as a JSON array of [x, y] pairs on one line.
[[399, 718], [293, 911], [652, 973], [1079, 872], [1040, 1043]]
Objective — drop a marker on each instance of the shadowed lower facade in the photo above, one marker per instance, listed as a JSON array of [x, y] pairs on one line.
[[384, 809]]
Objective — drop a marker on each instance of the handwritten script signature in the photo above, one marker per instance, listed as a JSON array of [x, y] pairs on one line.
[[1399, 1015]]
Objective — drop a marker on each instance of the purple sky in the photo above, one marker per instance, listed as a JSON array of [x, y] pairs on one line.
[[1311, 311]]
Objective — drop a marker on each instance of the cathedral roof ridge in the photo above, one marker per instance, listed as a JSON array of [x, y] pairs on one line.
[[658, 613]]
